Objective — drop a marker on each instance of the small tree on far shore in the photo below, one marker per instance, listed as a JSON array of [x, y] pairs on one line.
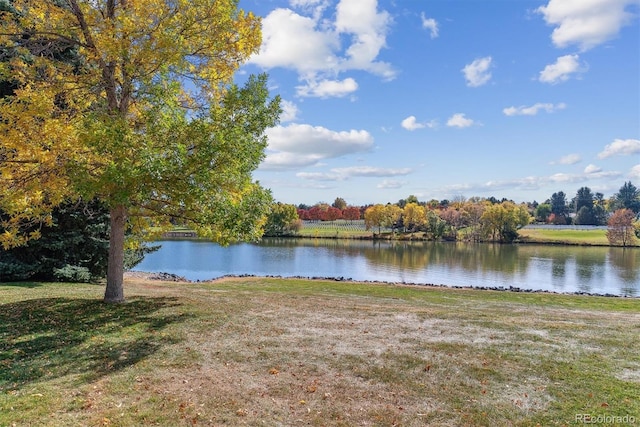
[[621, 231], [282, 220], [382, 216]]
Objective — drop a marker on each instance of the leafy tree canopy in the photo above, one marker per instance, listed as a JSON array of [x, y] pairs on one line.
[[628, 197], [621, 230], [282, 220], [502, 221], [339, 203], [584, 198], [558, 204], [148, 119]]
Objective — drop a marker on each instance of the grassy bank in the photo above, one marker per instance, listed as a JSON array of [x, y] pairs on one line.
[[564, 236], [257, 351], [342, 229], [355, 230]]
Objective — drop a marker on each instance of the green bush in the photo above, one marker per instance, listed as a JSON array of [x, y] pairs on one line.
[[14, 270], [72, 273], [79, 236], [75, 247]]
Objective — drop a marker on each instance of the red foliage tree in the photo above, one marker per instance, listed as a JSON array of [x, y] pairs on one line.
[[351, 213], [620, 229], [316, 214], [331, 214]]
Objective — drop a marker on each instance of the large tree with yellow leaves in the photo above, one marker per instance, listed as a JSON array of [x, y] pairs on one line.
[[145, 117]]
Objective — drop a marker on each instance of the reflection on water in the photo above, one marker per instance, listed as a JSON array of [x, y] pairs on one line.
[[538, 267]]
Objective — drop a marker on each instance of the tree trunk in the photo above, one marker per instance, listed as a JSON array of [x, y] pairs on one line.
[[115, 267]]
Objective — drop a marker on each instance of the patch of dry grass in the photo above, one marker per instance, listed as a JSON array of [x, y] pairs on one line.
[[255, 351]]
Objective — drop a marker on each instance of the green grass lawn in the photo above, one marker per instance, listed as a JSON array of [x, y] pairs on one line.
[[565, 236], [254, 351]]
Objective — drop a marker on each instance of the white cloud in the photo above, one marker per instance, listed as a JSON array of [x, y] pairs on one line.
[[390, 184], [311, 43], [430, 24], [284, 160], [289, 111], [581, 177], [305, 3], [533, 109], [310, 5], [561, 70], [601, 175], [293, 41], [527, 183], [328, 88], [320, 176], [635, 172], [477, 73], [562, 177], [621, 147], [585, 23], [341, 174], [297, 145], [569, 159], [532, 182], [368, 28], [369, 171], [587, 175], [590, 175], [591, 169], [410, 123], [459, 120]]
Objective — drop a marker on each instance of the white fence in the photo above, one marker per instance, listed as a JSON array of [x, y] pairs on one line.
[[566, 227]]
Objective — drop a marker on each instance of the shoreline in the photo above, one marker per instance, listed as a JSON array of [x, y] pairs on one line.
[[521, 241], [170, 277]]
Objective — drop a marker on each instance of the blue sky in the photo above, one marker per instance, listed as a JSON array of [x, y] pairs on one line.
[[446, 98]]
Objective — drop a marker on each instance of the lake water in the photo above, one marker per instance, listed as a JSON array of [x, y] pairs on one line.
[[600, 270]]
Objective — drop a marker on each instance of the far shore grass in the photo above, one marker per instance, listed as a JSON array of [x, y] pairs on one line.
[[270, 351], [596, 237], [560, 236]]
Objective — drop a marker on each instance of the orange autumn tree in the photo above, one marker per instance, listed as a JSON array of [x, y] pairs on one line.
[[621, 230], [145, 118]]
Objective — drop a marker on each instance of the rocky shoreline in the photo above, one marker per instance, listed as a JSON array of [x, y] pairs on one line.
[[169, 277]]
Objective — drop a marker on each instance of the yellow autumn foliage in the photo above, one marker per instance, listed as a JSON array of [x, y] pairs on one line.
[[85, 76]]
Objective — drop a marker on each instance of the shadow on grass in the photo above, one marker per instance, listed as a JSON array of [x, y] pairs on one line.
[[47, 338]]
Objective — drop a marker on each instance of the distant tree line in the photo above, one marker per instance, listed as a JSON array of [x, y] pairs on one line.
[[474, 219], [587, 208]]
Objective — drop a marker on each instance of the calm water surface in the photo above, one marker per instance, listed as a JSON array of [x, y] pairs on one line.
[[601, 270]]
